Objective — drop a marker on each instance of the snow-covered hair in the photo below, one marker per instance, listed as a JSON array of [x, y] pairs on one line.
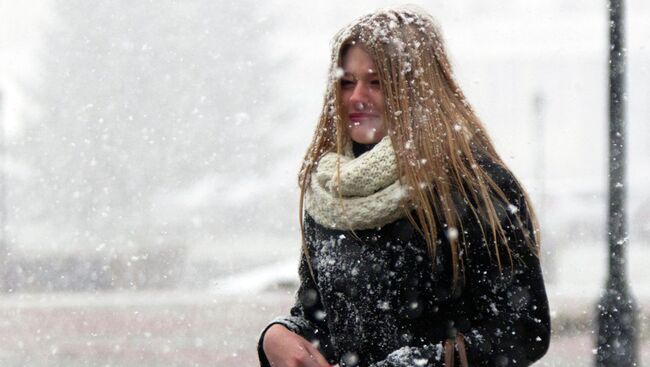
[[440, 143]]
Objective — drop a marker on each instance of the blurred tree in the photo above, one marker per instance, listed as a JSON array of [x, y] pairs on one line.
[[141, 103]]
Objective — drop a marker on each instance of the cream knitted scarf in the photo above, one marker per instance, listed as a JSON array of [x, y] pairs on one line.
[[369, 194]]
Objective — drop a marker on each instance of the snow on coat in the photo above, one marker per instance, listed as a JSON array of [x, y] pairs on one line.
[[377, 303]]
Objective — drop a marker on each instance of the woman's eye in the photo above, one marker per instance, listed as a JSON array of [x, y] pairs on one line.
[[375, 83], [346, 83]]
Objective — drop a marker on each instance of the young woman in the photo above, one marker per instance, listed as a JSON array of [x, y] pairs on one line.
[[420, 247]]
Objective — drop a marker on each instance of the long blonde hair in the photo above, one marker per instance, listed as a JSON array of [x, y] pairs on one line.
[[436, 135]]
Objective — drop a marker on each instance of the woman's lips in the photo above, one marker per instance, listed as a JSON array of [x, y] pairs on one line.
[[362, 116]]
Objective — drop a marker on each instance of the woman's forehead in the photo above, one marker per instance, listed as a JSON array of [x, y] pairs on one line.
[[357, 57]]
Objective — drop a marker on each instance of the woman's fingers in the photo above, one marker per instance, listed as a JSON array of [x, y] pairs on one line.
[[284, 348], [307, 358], [318, 357], [310, 356]]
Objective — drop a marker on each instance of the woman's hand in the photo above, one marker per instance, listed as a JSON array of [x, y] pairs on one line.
[[284, 348]]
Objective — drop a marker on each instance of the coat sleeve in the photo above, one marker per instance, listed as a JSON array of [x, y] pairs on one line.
[[307, 317], [508, 321], [505, 316]]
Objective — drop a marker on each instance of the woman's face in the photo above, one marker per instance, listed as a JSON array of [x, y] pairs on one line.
[[363, 101]]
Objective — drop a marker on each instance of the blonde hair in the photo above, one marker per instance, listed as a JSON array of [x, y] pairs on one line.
[[436, 135]]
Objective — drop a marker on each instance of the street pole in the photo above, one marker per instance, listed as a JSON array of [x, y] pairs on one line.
[[617, 310]]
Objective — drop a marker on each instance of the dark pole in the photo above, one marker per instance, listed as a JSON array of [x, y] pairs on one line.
[[617, 311]]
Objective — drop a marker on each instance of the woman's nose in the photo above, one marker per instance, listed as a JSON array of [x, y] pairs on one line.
[[359, 94]]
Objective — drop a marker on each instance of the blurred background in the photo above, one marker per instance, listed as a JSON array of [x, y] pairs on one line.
[[149, 154]]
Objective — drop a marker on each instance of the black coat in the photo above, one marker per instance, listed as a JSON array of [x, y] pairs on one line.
[[377, 301]]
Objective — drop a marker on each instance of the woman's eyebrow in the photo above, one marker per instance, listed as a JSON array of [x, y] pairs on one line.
[[370, 74]]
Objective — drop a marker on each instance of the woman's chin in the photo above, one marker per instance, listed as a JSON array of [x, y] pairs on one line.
[[366, 136], [369, 138]]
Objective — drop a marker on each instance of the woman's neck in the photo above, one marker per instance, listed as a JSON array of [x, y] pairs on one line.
[[358, 148]]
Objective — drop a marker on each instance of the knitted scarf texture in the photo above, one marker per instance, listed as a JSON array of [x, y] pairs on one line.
[[367, 194]]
